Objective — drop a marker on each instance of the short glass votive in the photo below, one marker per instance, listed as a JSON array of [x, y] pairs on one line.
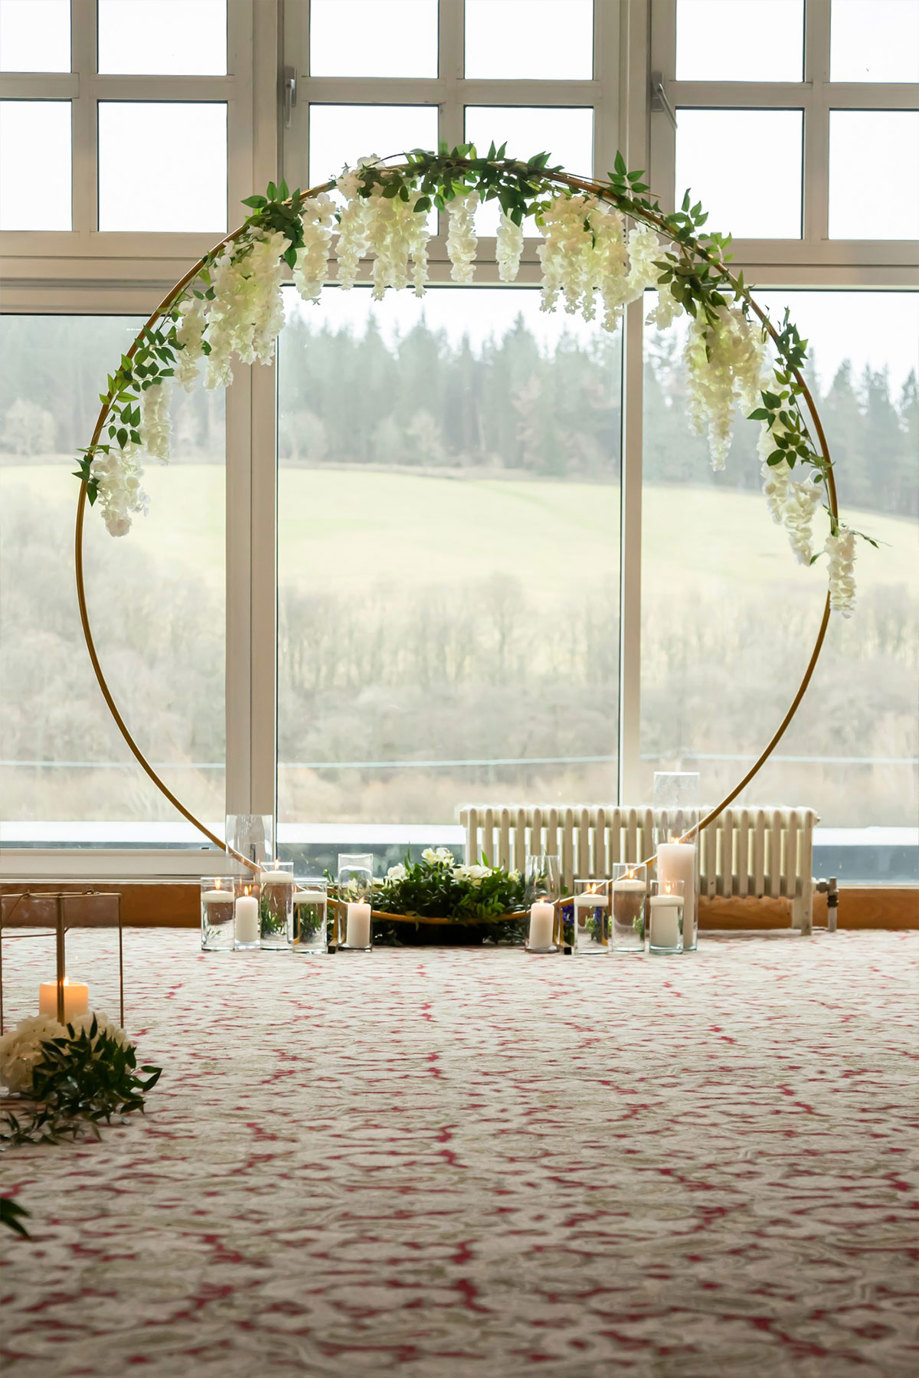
[[630, 888], [665, 916], [276, 905], [217, 913], [247, 933], [542, 926], [311, 915], [591, 917]]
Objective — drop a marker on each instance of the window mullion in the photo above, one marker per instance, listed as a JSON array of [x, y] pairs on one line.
[[816, 160], [85, 118], [630, 556]]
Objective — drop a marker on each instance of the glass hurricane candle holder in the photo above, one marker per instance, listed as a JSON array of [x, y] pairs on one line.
[[276, 905], [591, 917], [677, 813], [665, 917], [311, 916], [355, 875], [251, 835], [630, 888], [543, 877], [246, 926], [217, 913]]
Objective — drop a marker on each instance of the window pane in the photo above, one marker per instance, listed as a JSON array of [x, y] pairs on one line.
[[341, 134], [163, 37], [887, 143], [729, 618], [34, 35], [536, 40], [721, 156], [564, 132], [759, 40], [362, 38], [874, 40], [65, 773], [35, 185], [181, 182], [449, 628]]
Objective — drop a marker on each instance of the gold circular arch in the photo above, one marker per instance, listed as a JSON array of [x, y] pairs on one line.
[[580, 184]]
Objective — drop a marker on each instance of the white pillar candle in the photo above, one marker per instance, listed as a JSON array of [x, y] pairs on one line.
[[357, 925], [76, 999], [665, 920], [677, 861], [247, 926], [542, 924], [210, 897]]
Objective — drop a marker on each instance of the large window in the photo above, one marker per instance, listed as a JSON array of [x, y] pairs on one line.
[[394, 579]]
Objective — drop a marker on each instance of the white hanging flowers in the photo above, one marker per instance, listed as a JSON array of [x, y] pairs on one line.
[[508, 248], [591, 260], [155, 421], [317, 217], [724, 364], [840, 548], [190, 329], [461, 237]]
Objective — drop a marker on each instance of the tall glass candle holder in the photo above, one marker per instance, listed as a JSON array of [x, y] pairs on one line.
[[665, 917], [591, 917], [217, 898], [276, 906], [251, 835], [247, 934], [630, 889], [355, 888], [543, 877], [311, 916], [676, 809]]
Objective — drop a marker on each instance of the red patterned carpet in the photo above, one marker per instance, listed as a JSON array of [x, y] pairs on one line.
[[442, 1163]]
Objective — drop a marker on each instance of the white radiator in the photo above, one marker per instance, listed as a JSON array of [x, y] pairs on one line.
[[744, 852]]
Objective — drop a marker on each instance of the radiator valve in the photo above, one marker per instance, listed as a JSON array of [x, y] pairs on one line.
[[831, 890]]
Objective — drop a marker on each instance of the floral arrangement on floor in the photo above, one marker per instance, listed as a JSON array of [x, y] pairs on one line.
[[605, 243], [74, 1077], [440, 887]]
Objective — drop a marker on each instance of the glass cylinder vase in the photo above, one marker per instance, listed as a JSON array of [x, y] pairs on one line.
[[217, 913], [630, 889], [676, 813], [591, 917], [251, 835], [665, 917], [311, 915], [276, 906]]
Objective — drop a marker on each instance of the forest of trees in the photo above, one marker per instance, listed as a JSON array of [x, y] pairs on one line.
[[426, 401], [410, 672]]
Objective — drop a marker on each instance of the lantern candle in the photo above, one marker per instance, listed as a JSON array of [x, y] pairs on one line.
[[76, 999], [247, 925]]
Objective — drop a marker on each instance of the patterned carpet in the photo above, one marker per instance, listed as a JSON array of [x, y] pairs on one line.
[[481, 1164]]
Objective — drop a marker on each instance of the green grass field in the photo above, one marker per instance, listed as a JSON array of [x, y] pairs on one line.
[[345, 530]]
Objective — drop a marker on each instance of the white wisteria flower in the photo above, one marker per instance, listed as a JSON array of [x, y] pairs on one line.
[[120, 494], [190, 329], [317, 216], [724, 365], [247, 310], [398, 239], [508, 248], [155, 420], [841, 576], [462, 243], [353, 228], [791, 504]]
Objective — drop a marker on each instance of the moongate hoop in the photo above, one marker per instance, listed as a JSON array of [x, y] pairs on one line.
[[448, 174]]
